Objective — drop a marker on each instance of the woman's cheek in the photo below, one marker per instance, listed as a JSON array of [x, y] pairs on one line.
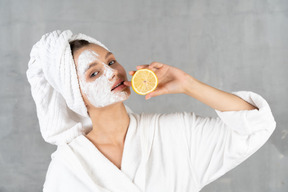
[[98, 91]]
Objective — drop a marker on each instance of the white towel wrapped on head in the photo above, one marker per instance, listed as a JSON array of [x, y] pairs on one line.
[[52, 75]]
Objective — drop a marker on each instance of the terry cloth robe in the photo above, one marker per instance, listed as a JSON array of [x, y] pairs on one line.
[[165, 152]]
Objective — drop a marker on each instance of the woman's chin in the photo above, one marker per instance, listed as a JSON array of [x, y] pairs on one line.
[[116, 102]]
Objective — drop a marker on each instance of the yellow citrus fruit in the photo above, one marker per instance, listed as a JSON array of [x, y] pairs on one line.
[[144, 81]]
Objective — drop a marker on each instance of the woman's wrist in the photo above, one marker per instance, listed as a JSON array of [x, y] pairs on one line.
[[190, 85]]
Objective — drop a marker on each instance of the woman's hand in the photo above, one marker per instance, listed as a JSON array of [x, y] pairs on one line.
[[170, 79], [173, 80]]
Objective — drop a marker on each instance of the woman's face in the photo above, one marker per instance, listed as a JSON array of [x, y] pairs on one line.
[[100, 77]]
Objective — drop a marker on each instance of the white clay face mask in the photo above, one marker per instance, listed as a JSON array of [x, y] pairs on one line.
[[98, 91]]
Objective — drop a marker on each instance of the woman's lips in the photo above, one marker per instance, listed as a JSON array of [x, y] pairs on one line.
[[118, 85], [119, 88]]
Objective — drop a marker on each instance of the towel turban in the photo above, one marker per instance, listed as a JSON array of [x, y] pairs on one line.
[[52, 75]]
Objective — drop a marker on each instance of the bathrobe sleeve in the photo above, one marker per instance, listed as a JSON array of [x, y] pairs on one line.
[[217, 145]]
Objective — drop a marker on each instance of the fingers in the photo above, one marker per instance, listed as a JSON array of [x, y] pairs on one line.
[[155, 65], [131, 73], [127, 83], [139, 67], [142, 67], [155, 93]]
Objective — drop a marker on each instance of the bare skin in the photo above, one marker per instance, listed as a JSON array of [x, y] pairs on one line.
[[109, 136], [173, 80], [110, 123]]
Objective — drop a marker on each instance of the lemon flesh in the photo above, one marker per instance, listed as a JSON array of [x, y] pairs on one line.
[[144, 81]]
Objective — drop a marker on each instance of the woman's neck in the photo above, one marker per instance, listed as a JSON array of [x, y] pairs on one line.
[[110, 124]]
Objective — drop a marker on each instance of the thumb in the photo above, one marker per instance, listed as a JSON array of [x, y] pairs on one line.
[[155, 65], [155, 93]]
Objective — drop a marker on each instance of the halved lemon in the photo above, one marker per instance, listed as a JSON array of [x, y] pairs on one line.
[[144, 81]]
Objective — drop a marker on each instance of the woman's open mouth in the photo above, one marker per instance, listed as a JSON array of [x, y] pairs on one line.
[[118, 86]]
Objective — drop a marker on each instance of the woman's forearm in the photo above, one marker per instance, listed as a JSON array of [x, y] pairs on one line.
[[215, 98]]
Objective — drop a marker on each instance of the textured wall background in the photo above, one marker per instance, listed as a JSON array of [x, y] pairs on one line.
[[229, 44]]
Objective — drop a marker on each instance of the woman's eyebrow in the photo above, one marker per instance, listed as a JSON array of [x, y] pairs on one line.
[[91, 65], [95, 63], [109, 53]]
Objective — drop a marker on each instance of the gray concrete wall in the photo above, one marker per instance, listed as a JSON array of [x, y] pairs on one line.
[[229, 44]]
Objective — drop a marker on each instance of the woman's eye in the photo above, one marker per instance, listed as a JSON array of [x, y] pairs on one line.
[[94, 74], [111, 62]]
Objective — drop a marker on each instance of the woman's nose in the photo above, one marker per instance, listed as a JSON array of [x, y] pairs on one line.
[[114, 74]]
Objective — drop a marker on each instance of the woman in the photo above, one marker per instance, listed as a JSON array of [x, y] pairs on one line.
[[79, 88]]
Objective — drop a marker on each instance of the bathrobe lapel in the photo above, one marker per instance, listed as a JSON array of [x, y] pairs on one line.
[[100, 174], [74, 167], [147, 130], [96, 169]]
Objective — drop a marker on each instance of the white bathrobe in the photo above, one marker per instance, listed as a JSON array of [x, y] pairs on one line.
[[165, 152]]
